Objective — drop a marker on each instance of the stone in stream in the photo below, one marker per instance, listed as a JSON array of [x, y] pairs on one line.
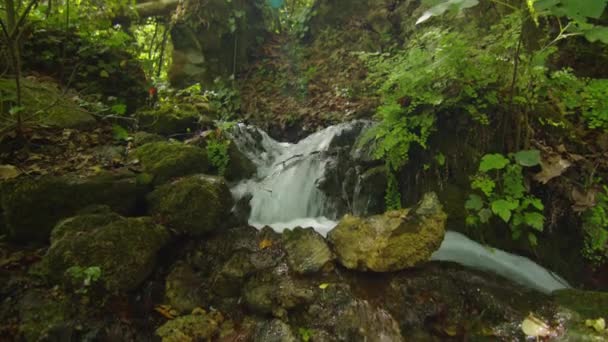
[[167, 160], [274, 331], [32, 206], [194, 205], [198, 326], [124, 249], [307, 250], [390, 242]]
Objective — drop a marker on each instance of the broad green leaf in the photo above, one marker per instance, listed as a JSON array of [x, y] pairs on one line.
[[494, 161], [474, 203], [528, 158], [597, 33], [503, 208], [513, 182], [324, 286], [534, 220], [483, 183], [441, 8], [120, 109], [104, 74], [534, 202], [585, 8]]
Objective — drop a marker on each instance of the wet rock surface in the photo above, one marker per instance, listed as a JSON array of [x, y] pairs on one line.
[[193, 205], [390, 242]]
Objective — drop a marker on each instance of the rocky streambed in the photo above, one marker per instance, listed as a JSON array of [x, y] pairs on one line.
[[167, 251]]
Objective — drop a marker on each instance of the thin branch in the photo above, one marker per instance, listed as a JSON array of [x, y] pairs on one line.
[[22, 18]]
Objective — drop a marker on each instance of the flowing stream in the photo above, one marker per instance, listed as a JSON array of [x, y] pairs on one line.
[[284, 194]]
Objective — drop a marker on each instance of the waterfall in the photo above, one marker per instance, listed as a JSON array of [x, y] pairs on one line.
[[285, 194], [285, 190]]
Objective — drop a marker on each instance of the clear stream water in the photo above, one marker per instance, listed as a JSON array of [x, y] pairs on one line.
[[285, 195]]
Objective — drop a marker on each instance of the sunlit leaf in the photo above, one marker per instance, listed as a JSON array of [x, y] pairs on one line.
[[528, 158]]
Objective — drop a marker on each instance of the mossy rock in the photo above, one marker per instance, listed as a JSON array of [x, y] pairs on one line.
[[171, 120], [32, 206], [239, 166], [193, 205], [274, 331], [37, 97], [41, 314], [124, 249], [307, 251], [390, 242], [199, 326], [86, 220], [166, 160], [183, 288], [142, 138]]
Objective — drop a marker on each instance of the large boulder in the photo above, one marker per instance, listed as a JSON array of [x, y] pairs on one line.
[[390, 242], [32, 206], [193, 205], [166, 160], [125, 249]]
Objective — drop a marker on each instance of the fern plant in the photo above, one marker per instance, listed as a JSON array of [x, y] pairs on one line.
[[501, 192]]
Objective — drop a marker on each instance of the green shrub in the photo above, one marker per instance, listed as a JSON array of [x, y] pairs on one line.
[[501, 192]]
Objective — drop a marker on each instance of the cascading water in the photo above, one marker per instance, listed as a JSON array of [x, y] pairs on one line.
[[285, 194]]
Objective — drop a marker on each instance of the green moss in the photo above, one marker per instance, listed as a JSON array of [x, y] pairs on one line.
[[172, 119], [590, 304], [193, 205], [166, 160], [125, 249], [37, 98], [393, 241], [198, 326], [32, 206], [307, 251], [142, 138], [83, 223], [40, 313]]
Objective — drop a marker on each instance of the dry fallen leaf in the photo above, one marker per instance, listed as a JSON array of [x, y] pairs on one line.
[[583, 200], [166, 311], [552, 167], [266, 243]]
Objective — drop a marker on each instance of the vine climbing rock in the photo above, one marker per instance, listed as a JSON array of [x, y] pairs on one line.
[[392, 241], [193, 205]]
